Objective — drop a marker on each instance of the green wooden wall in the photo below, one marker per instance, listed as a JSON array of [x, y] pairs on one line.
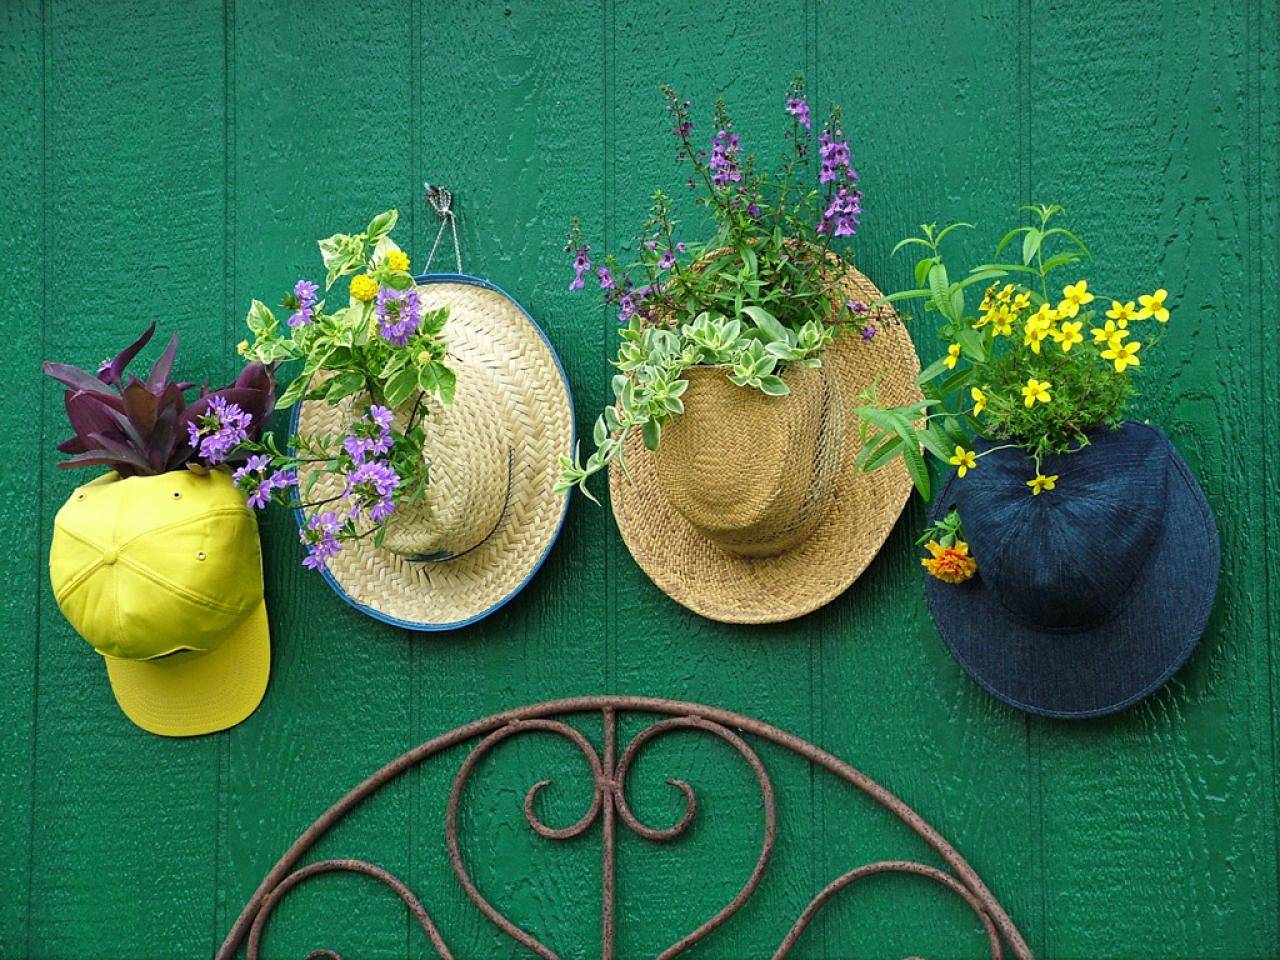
[[169, 161]]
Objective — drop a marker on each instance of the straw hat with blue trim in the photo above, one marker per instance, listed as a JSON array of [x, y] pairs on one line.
[[491, 515]]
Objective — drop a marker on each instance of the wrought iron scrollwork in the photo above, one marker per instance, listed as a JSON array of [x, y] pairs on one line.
[[609, 807]]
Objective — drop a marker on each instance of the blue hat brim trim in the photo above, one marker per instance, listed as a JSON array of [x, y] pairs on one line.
[[428, 627], [986, 641]]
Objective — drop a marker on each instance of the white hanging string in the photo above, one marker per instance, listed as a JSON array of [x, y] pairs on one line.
[[441, 201]]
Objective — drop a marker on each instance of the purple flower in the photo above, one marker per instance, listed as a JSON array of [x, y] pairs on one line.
[[842, 216], [834, 151], [253, 479], [680, 246], [799, 109], [724, 158], [753, 211], [857, 306], [218, 432], [369, 435], [626, 307], [399, 313], [320, 535], [305, 292], [606, 279], [581, 264], [371, 486], [668, 260], [868, 332]]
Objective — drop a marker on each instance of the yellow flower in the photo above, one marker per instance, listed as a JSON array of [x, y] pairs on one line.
[[424, 358], [1069, 335], [1122, 354], [242, 348], [1114, 332], [1036, 330], [396, 260], [1074, 296], [964, 460], [1122, 313], [1153, 306], [1039, 483], [363, 287], [1006, 294], [1021, 301], [953, 355], [1002, 323], [988, 298], [1036, 390], [979, 400], [949, 564]]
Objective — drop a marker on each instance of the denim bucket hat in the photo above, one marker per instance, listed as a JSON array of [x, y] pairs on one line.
[[1089, 596]]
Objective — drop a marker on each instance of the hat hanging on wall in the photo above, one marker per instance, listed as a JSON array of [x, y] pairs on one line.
[[752, 509], [1089, 599], [460, 554]]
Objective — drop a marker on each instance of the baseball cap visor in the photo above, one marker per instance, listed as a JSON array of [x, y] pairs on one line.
[[189, 693]]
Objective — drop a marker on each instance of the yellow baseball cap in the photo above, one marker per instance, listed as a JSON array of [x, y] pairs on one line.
[[162, 575]]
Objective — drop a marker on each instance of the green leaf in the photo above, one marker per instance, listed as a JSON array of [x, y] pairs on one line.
[[1004, 241], [260, 320], [882, 454], [381, 225], [401, 386], [905, 295], [947, 229], [971, 343], [914, 459], [343, 385], [935, 443], [767, 322], [938, 286], [651, 433], [922, 270], [292, 393], [774, 386], [935, 369], [400, 280], [1030, 244], [907, 242]]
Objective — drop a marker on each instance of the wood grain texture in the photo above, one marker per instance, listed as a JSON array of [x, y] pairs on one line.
[[184, 158]]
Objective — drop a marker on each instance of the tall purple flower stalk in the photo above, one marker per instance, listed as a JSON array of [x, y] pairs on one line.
[[305, 293], [799, 108], [723, 162], [843, 214]]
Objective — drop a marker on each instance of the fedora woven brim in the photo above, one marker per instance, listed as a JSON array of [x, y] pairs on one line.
[[864, 507], [1104, 669], [489, 330]]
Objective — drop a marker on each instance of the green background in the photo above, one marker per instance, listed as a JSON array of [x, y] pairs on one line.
[[169, 161]]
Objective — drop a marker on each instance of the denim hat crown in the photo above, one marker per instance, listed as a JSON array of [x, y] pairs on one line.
[[1066, 559]]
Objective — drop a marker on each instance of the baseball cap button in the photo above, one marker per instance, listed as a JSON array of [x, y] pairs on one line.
[[109, 556]]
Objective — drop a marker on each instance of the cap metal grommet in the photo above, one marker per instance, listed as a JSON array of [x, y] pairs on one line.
[[177, 495], [200, 555]]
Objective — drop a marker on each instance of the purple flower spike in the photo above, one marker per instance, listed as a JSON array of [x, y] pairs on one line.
[[724, 158], [834, 151], [371, 487], [217, 433], [842, 216], [799, 109], [668, 260], [581, 264], [305, 291], [320, 535], [399, 313], [606, 279], [369, 435], [869, 332]]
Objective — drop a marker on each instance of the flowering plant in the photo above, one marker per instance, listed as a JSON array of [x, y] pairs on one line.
[[1031, 369], [382, 353], [757, 294], [144, 427]]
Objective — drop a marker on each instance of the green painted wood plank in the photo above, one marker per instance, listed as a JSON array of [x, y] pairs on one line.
[[894, 702], [656, 647], [509, 106], [1159, 825], [320, 143], [21, 182], [123, 819]]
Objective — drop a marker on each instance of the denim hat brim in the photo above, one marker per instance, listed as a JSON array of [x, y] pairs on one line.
[[1108, 667]]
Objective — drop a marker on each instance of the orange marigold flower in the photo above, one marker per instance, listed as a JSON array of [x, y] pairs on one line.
[[949, 564]]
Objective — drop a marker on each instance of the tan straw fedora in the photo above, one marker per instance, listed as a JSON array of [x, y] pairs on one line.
[[753, 510], [490, 515]]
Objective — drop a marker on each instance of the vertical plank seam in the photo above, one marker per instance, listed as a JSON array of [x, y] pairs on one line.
[[222, 763], [1255, 199], [608, 159], [40, 491], [1035, 780], [415, 777]]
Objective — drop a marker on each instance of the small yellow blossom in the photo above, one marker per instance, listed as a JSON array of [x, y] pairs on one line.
[[363, 287], [1036, 391], [949, 564], [242, 348], [1006, 294], [963, 460], [1115, 331], [1002, 323], [1039, 483], [396, 260], [979, 400], [1021, 301], [1074, 296], [1069, 334], [988, 298], [953, 355], [1153, 306], [1122, 313], [1036, 330], [424, 358], [1122, 354]]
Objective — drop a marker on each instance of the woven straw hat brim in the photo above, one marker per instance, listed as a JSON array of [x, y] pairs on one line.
[[489, 330], [714, 583]]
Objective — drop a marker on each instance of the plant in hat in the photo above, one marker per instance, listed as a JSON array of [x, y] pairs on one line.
[[382, 352], [143, 427], [1038, 366], [757, 294]]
